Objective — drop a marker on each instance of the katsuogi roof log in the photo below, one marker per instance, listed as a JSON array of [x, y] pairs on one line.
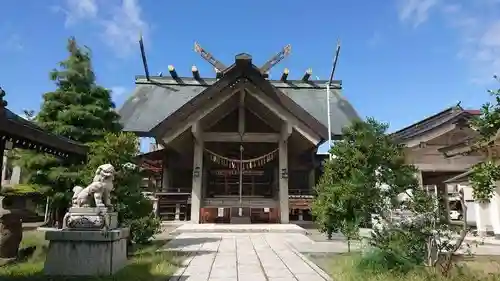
[[169, 99]]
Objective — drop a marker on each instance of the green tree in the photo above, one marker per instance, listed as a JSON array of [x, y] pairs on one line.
[[78, 109], [487, 124], [365, 159], [134, 209]]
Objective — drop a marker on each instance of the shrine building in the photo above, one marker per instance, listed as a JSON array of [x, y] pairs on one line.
[[238, 147]]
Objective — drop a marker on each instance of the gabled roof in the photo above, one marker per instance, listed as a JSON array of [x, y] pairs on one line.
[[159, 103], [451, 114], [25, 134], [471, 144]]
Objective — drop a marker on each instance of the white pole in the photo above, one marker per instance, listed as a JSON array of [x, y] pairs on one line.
[[241, 175], [47, 209], [328, 84], [329, 119]]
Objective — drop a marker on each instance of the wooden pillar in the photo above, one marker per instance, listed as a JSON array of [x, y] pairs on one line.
[[165, 176], [2, 164], [312, 172], [312, 179], [283, 172], [204, 184], [446, 202], [5, 164], [196, 195]]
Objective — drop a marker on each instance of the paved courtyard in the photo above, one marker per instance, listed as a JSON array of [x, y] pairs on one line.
[[244, 256], [235, 253]]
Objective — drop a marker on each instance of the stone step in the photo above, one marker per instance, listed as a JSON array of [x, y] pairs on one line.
[[239, 228], [241, 220]]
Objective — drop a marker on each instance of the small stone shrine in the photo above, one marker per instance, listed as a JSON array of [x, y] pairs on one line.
[[11, 232], [90, 242]]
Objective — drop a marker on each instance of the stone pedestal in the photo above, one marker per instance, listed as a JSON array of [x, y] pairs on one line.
[[482, 219], [86, 252], [89, 244], [90, 219]]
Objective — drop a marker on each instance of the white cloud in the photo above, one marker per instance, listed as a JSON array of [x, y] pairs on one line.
[[121, 31], [119, 22], [415, 11], [477, 24], [78, 10]]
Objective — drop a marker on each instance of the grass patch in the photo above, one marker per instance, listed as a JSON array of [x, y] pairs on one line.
[[33, 238], [146, 263], [343, 267]]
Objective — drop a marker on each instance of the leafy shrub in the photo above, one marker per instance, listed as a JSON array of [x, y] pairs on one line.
[[406, 240], [383, 260], [144, 228], [134, 209]]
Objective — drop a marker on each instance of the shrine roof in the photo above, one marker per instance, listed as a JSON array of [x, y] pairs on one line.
[[27, 135], [451, 114], [156, 99]]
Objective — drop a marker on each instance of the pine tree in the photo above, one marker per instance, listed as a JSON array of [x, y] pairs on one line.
[[78, 109]]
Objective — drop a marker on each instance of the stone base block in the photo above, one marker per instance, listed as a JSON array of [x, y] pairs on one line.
[[11, 234], [90, 219], [86, 253], [484, 233]]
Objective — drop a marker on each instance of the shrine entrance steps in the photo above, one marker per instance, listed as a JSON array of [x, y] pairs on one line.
[[239, 228]]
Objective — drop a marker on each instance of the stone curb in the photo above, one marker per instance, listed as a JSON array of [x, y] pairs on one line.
[[311, 264]]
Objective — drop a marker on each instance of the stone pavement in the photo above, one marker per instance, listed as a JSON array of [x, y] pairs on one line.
[[244, 256]]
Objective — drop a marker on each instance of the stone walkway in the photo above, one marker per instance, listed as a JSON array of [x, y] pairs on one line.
[[243, 256]]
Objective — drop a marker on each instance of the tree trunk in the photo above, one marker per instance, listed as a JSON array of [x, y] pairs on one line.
[[348, 244]]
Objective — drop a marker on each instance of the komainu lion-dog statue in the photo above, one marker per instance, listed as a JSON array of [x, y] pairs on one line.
[[100, 189]]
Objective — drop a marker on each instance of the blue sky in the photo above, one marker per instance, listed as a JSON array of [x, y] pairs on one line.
[[401, 60]]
